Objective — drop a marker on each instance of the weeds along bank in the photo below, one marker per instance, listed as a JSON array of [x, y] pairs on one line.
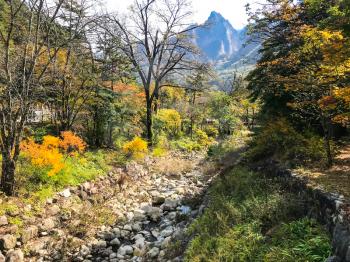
[[251, 217]]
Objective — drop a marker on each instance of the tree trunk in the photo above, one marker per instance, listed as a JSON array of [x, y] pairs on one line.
[[149, 120], [192, 116], [327, 146], [8, 174], [327, 138]]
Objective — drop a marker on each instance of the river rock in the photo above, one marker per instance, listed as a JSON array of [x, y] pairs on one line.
[[101, 244], [169, 205], [125, 250], [3, 221], [84, 251], [15, 256], [153, 253], [29, 233], [167, 232], [154, 213], [115, 242], [65, 193], [7, 242]]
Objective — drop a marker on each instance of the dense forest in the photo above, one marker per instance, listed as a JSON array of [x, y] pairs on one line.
[[117, 145]]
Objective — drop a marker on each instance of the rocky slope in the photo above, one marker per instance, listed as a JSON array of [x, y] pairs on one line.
[[134, 214]]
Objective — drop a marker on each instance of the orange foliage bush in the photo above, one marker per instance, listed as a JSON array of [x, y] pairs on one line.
[[46, 154], [50, 152], [71, 143]]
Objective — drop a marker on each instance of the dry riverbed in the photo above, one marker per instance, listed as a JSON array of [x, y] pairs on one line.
[[138, 213]]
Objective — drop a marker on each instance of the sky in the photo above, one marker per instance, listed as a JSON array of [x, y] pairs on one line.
[[233, 10]]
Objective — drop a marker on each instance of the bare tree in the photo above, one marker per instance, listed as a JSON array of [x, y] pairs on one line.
[[31, 36], [156, 39]]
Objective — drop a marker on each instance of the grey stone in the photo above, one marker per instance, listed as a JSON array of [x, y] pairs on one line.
[[153, 253], [166, 242], [170, 205], [136, 227], [125, 250], [115, 242], [101, 244], [29, 233], [15, 256], [153, 213], [167, 232], [158, 200], [84, 251], [127, 228], [140, 243], [333, 259], [7, 242]]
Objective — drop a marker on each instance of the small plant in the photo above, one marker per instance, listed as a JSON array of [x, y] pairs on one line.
[[71, 143], [202, 138], [161, 147], [136, 149], [211, 131]]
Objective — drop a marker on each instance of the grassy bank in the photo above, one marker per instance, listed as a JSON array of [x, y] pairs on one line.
[[250, 218]]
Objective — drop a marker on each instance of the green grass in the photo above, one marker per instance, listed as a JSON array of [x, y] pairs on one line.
[[250, 218]]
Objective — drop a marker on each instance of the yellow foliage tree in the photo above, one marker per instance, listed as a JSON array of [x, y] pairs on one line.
[[168, 120], [137, 148]]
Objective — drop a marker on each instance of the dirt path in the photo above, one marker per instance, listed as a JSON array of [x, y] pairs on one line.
[[335, 179]]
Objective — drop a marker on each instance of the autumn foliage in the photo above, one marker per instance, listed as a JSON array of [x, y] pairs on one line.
[[50, 153], [71, 143], [136, 148]]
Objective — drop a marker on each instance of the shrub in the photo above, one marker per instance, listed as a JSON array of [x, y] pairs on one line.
[[71, 143], [136, 148], [169, 121], [211, 131], [46, 154], [278, 139], [162, 146], [202, 138], [186, 144], [49, 154]]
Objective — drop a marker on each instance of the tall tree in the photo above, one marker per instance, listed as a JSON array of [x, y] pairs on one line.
[[32, 33], [155, 38]]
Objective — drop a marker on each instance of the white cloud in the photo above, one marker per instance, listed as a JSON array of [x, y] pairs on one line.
[[233, 10]]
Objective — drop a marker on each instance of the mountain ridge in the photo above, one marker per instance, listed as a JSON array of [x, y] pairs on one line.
[[223, 45]]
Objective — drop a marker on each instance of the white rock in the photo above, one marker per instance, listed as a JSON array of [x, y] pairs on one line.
[[65, 193], [3, 221]]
